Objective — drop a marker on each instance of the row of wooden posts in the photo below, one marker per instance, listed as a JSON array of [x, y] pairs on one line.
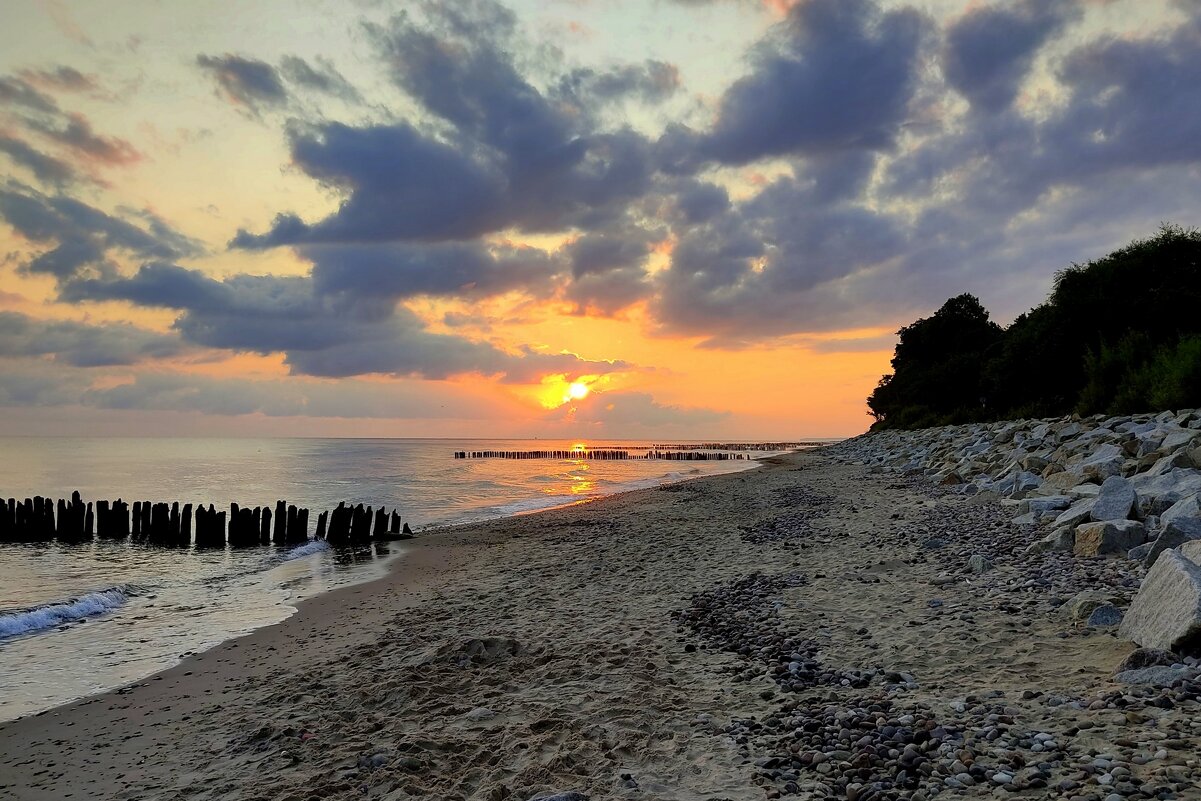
[[735, 446], [35, 520], [675, 456]]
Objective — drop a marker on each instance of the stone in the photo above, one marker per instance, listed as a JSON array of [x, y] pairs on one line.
[[978, 563], [1178, 438], [1171, 537], [1082, 604], [1115, 501], [1105, 615], [1158, 676], [1108, 537], [570, 795], [1077, 513], [1139, 552], [1186, 515], [1166, 612], [1157, 493], [1191, 551], [1059, 540], [1050, 503], [1146, 657], [480, 713]]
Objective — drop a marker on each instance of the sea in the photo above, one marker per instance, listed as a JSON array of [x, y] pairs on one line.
[[77, 619]]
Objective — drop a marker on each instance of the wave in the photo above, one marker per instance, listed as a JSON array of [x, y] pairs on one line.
[[301, 551], [56, 614]]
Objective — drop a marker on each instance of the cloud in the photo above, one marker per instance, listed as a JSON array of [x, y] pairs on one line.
[[836, 75], [76, 133], [82, 344], [608, 268], [17, 92], [46, 169], [319, 334], [504, 154], [323, 77], [82, 239], [989, 50], [245, 82], [61, 78]]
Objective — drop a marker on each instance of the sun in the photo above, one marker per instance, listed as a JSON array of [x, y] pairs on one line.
[[577, 391]]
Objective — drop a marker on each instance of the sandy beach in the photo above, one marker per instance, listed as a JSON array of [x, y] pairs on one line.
[[565, 652]]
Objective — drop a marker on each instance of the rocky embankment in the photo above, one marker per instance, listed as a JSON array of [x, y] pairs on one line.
[[1121, 487]]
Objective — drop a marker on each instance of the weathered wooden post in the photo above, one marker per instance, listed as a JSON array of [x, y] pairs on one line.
[[302, 527], [265, 529], [185, 525], [381, 524], [322, 518], [394, 528], [280, 535]]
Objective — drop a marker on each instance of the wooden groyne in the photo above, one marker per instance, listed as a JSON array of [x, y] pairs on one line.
[[603, 454], [606, 455], [40, 519], [736, 446]]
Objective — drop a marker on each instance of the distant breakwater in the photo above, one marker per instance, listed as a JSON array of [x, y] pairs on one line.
[[40, 519], [695, 452]]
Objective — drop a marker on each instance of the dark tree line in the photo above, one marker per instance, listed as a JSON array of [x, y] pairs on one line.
[[1118, 335]]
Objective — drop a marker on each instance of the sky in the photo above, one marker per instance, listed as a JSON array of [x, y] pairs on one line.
[[552, 218]]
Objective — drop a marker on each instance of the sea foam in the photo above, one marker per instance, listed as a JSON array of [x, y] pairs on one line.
[[56, 614], [301, 551]]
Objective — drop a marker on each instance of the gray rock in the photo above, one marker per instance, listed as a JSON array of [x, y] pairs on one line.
[[978, 563], [1115, 501], [1185, 514], [1191, 551], [480, 713], [1166, 612], [1061, 539], [1082, 604], [1158, 493], [1171, 537], [1159, 676], [571, 795], [1108, 537], [1146, 657], [1078, 513], [1050, 503], [1139, 552], [1176, 439], [1105, 615]]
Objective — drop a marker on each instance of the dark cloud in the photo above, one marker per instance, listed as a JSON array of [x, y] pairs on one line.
[[323, 77], [837, 75], [989, 49], [509, 155], [608, 268], [650, 82], [320, 334], [46, 169], [81, 239], [82, 344], [61, 78], [74, 131], [246, 82], [17, 92]]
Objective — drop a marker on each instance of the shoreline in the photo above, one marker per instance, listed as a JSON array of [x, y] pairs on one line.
[[626, 648]]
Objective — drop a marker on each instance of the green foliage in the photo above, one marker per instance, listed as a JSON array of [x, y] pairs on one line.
[[1118, 335]]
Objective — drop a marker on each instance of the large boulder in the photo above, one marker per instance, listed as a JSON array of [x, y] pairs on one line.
[[1158, 493], [1108, 537], [1115, 501], [1061, 539], [1185, 514], [1166, 612], [1081, 605], [1171, 537]]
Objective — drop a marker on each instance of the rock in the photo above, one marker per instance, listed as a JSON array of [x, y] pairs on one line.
[[1171, 537], [1139, 552], [1191, 551], [1105, 615], [1082, 604], [1105, 461], [1115, 501], [1061, 539], [1050, 503], [1158, 676], [1176, 439], [1166, 612], [1157, 493], [571, 795], [1077, 513], [480, 713], [978, 563], [1146, 657], [1186, 515], [1108, 537]]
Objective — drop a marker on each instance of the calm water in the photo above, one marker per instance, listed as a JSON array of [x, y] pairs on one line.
[[77, 619]]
